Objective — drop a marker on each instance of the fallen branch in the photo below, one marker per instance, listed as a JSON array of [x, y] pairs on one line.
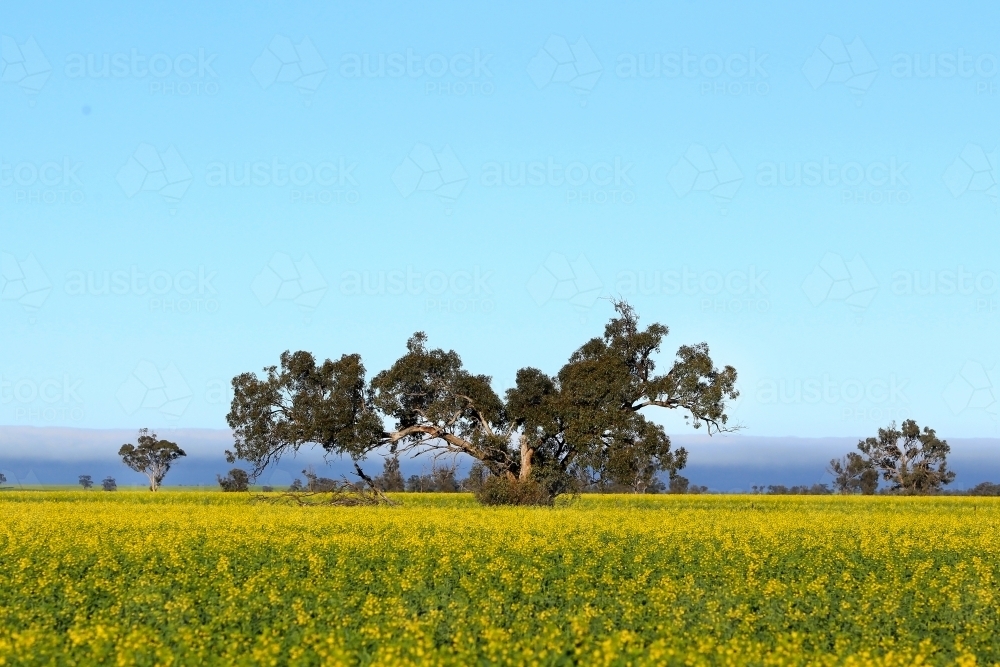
[[342, 494]]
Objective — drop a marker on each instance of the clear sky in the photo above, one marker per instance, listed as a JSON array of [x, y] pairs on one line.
[[189, 189]]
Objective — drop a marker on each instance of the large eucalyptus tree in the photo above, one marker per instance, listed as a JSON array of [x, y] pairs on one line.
[[589, 419]]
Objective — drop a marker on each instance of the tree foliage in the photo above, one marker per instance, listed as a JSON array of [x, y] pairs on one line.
[[853, 473], [86, 481], [109, 484], [151, 456], [236, 479], [588, 421], [391, 478], [318, 484], [911, 460], [441, 479]]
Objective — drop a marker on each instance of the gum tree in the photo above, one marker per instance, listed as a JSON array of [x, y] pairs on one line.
[[589, 420], [911, 460], [151, 456]]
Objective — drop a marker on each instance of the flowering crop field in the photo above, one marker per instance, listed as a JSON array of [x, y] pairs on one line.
[[202, 578]]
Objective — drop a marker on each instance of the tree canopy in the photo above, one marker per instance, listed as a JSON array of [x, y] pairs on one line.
[[854, 473], [150, 456], [911, 460], [587, 420]]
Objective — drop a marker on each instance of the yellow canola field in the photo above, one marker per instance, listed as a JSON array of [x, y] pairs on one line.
[[209, 578]]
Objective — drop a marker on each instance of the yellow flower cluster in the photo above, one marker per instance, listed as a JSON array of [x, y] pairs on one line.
[[208, 578]]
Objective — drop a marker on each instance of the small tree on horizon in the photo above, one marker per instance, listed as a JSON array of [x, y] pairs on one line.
[[109, 484], [911, 460], [852, 474], [86, 481], [235, 480], [151, 456], [391, 478], [678, 484]]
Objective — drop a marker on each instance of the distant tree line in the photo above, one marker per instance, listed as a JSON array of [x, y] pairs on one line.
[[108, 483], [782, 490], [444, 479]]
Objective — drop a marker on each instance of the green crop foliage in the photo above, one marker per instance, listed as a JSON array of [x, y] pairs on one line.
[[211, 578]]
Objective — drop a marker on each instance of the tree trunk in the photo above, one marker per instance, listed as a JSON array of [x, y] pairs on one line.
[[152, 481], [526, 454]]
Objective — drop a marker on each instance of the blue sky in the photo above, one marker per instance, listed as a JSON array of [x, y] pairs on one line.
[[186, 191]]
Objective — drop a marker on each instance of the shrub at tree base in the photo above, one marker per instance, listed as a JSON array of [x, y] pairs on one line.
[[502, 490]]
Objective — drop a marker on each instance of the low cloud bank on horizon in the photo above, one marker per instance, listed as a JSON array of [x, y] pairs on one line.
[[31, 455]]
